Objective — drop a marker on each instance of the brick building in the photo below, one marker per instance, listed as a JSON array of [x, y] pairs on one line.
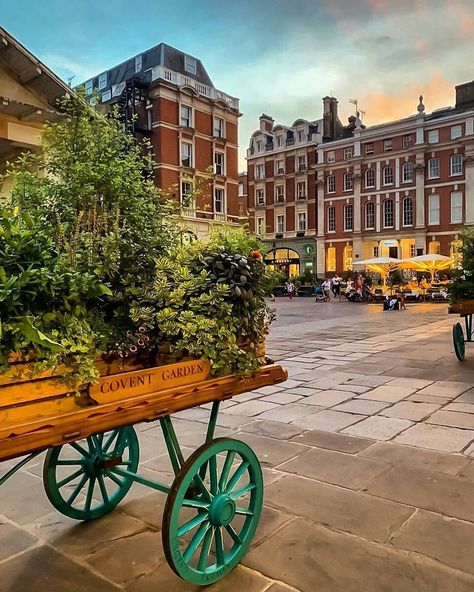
[[399, 189], [167, 96]]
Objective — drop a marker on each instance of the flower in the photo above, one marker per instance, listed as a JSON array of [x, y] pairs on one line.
[[257, 255]]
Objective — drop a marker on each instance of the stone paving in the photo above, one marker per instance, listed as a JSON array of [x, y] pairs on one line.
[[368, 457]]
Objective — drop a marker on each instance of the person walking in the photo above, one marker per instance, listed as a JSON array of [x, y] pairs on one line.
[[290, 289], [326, 287], [336, 286]]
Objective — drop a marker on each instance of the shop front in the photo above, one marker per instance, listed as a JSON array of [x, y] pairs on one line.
[[286, 261]]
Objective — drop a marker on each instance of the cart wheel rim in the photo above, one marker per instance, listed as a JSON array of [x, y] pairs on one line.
[[79, 477], [220, 487], [458, 342]]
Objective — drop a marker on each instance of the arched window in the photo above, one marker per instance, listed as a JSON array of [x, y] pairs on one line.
[[407, 172], [388, 175], [370, 215], [407, 211], [388, 213], [370, 178]]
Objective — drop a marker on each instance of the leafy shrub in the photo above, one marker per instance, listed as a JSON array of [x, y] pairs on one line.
[[463, 278]]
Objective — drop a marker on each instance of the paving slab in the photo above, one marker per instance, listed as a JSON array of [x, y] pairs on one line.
[[378, 427], [272, 429], [288, 413], [435, 437], [337, 468], [282, 398], [328, 398], [410, 410], [416, 383], [361, 406], [272, 452], [251, 408], [336, 562], [372, 381], [331, 441], [466, 397], [453, 419], [445, 388], [429, 399], [460, 407], [329, 420], [389, 394], [13, 540], [342, 509]]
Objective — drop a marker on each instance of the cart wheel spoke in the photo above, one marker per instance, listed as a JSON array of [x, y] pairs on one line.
[[206, 547], [229, 460], [103, 488], [192, 503], [79, 449], [200, 485], [242, 491], [90, 493], [190, 524], [70, 478], [243, 511], [237, 476], [77, 490], [114, 478], [196, 541], [110, 439], [235, 537], [65, 463], [219, 547], [213, 475]]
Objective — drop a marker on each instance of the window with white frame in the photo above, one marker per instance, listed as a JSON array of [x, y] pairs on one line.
[[407, 211], [348, 181], [388, 175], [260, 226], [301, 189], [369, 148], [186, 193], [331, 184], [260, 197], [407, 141], [280, 167], [348, 153], [387, 145], [455, 164], [219, 201], [279, 141], [433, 136], [331, 156], [241, 189], [89, 86], [369, 215], [332, 219], [412, 250], [219, 163], [186, 116], [301, 221], [186, 154], [433, 168], [259, 171], [300, 136], [190, 64], [102, 81], [375, 252], [280, 225], [149, 118], [259, 145], [219, 130], [301, 163], [407, 172], [433, 209], [106, 96], [370, 178], [456, 132], [388, 213], [280, 193], [138, 63], [348, 217], [456, 207]]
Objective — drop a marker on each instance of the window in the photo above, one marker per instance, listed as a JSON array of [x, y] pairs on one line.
[[241, 189], [348, 181], [331, 156], [186, 116], [433, 209], [138, 63], [260, 227], [456, 132], [219, 130], [219, 201], [186, 155], [369, 148], [260, 195], [348, 258], [301, 189], [186, 192], [300, 136], [331, 184], [407, 211], [407, 172], [279, 141], [455, 163], [370, 178], [280, 193], [219, 168], [412, 250], [331, 259], [433, 168], [331, 219], [456, 207], [407, 141], [280, 225], [106, 96], [348, 217], [280, 167], [388, 175], [102, 80], [301, 163], [434, 248], [301, 221], [190, 64], [259, 144], [348, 152], [375, 251], [259, 172], [388, 213], [370, 215], [433, 136], [89, 86], [387, 145]]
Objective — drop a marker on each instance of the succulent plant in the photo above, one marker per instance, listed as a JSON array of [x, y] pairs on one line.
[[231, 270]]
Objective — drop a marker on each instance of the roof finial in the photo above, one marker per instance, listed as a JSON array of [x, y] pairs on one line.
[[421, 107], [358, 122]]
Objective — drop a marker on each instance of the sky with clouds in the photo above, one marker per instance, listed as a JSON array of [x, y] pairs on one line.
[[278, 56]]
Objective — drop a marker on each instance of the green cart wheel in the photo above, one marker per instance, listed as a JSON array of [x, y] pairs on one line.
[[212, 511], [458, 342], [77, 479]]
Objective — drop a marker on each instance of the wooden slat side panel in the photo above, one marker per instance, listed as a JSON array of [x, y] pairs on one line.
[[462, 307], [31, 391]]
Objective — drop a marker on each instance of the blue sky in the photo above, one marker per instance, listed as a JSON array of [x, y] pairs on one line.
[[277, 56]]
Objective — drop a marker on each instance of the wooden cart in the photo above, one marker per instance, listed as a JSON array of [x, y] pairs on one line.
[[214, 503], [464, 308]]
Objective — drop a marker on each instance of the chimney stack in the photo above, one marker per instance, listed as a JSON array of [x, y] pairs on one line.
[[266, 123], [465, 95], [330, 117]]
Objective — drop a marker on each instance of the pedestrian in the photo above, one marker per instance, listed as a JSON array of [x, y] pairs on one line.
[[402, 301], [290, 289], [348, 288], [326, 287], [336, 286]]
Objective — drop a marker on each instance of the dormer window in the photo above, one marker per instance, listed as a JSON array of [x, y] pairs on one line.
[[138, 63], [190, 64], [102, 80], [89, 85]]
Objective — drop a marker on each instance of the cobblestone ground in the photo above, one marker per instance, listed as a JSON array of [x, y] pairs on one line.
[[368, 455]]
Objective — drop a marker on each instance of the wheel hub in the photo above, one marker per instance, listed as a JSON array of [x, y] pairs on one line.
[[222, 510], [93, 465]]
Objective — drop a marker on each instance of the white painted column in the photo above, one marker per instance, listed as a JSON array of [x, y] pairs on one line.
[[397, 210], [377, 213], [420, 190], [320, 241]]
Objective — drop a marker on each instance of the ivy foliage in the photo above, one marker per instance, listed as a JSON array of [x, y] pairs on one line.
[[463, 278]]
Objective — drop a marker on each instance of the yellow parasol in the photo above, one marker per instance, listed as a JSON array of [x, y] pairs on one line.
[[432, 262], [382, 265]]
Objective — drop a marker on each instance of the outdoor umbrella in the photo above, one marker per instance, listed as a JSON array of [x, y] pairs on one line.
[[382, 265], [431, 262]]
